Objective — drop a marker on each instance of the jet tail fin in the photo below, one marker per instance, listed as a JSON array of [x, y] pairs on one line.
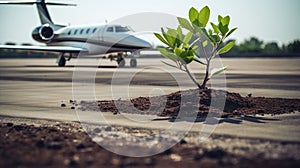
[[41, 7]]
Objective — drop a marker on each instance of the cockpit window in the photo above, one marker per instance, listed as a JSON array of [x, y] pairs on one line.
[[123, 29], [110, 29]]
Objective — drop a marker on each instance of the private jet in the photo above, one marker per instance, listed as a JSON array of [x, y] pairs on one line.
[[86, 40]]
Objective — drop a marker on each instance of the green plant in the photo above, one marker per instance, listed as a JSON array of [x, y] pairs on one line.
[[186, 48]]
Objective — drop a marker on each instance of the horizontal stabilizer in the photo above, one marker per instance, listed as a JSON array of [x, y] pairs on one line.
[[35, 2]]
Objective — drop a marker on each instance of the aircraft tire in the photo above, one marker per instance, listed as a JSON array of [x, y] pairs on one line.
[[133, 63]]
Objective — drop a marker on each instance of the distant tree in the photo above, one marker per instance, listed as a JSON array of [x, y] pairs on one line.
[[252, 45], [272, 48], [10, 43], [293, 47], [26, 44]]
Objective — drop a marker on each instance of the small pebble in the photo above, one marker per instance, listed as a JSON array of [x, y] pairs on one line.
[[108, 128], [9, 124], [97, 130], [175, 157], [183, 141]]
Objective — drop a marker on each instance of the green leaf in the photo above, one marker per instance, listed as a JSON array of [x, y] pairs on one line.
[[189, 59], [193, 14], [187, 37], [179, 52], [185, 55], [215, 27], [220, 18], [226, 48], [170, 38], [179, 37], [223, 29], [185, 24], [168, 54], [225, 21], [204, 44], [179, 33], [216, 38], [203, 16], [169, 64], [195, 47], [217, 71], [186, 59], [230, 32], [198, 60], [172, 32], [166, 37], [210, 32], [174, 38], [196, 25], [190, 52], [161, 38]]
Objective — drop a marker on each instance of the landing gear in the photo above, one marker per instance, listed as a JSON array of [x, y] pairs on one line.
[[61, 61], [121, 63], [133, 63], [120, 60]]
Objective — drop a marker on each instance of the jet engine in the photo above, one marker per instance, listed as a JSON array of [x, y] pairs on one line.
[[44, 33]]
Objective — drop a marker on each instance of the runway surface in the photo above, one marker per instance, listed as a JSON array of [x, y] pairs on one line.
[[36, 88]]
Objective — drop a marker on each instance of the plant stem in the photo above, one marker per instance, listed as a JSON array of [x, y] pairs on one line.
[[203, 86], [190, 75], [214, 53]]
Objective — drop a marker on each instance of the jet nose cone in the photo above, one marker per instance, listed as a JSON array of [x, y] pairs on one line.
[[137, 42], [146, 44]]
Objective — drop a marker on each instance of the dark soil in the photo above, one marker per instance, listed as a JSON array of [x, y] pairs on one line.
[[62, 145], [235, 104]]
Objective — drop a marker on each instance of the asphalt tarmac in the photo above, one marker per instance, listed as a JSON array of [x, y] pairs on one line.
[[36, 88]]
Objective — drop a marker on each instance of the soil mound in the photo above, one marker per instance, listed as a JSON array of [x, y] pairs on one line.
[[199, 103]]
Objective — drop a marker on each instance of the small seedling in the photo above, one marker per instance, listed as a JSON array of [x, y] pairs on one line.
[[199, 42]]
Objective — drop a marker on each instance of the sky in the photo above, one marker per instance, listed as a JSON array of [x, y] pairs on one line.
[[269, 20]]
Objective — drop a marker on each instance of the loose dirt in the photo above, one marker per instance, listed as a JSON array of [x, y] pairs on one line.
[[216, 102], [41, 143]]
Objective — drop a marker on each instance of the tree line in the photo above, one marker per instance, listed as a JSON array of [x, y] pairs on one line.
[[253, 45]]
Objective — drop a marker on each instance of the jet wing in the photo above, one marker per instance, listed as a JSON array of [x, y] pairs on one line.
[[45, 48]]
